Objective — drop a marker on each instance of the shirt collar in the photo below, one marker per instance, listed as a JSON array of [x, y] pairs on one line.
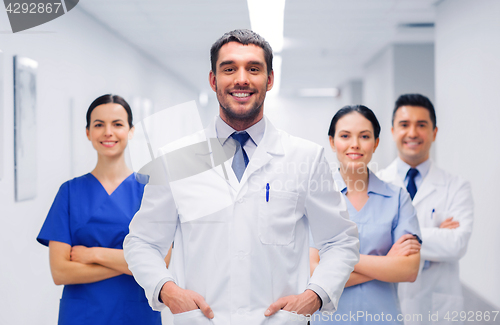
[[403, 168], [339, 181], [375, 185], [224, 130]]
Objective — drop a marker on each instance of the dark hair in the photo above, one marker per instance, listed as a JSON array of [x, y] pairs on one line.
[[106, 99], [363, 110], [245, 37], [415, 100]]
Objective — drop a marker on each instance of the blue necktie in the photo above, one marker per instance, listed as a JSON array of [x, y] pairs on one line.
[[240, 159], [412, 187]]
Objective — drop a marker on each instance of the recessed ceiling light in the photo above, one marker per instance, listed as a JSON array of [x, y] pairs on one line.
[[267, 19], [319, 92], [416, 25]]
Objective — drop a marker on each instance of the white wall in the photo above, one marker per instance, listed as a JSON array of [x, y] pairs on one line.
[[78, 61], [307, 118], [378, 95], [396, 70], [468, 104], [414, 70], [351, 93]]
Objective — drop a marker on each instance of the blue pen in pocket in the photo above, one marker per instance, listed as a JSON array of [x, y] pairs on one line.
[[432, 213], [267, 192]]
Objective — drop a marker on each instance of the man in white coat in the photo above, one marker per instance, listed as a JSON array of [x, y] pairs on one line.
[[445, 213], [241, 227]]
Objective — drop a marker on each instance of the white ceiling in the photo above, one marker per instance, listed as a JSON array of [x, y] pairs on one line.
[[327, 42]]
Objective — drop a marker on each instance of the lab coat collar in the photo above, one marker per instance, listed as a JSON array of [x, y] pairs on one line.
[[224, 131], [211, 131], [270, 141], [433, 180], [435, 176], [269, 146], [403, 168], [392, 176]]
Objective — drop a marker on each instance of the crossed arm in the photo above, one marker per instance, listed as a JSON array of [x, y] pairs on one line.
[[80, 264], [449, 241], [399, 265]]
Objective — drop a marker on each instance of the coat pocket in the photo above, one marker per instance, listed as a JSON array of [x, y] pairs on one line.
[[192, 317], [277, 217], [285, 317]]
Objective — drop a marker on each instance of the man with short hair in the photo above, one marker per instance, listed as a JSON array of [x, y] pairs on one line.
[[444, 209], [241, 228]]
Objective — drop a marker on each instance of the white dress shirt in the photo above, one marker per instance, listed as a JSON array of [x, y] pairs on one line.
[[256, 133], [403, 168]]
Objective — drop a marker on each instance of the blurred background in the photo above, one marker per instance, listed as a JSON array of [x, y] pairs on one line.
[[328, 53]]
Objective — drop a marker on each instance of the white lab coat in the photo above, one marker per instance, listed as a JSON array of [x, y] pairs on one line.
[[437, 288], [238, 249]]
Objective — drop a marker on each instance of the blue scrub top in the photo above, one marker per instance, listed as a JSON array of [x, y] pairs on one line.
[[83, 213], [387, 215]]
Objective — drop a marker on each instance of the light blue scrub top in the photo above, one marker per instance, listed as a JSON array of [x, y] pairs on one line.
[[387, 215], [83, 213]]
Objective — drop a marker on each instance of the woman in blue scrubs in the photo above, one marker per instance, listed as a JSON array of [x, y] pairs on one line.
[[387, 224], [87, 224]]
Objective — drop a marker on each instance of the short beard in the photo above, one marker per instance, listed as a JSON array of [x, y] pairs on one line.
[[248, 116]]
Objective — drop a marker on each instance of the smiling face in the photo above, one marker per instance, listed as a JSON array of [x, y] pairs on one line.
[[413, 133], [354, 142], [109, 130], [241, 82]]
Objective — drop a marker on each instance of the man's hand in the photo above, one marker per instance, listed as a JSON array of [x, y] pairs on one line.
[[450, 224], [180, 300], [304, 304], [404, 246], [82, 254]]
